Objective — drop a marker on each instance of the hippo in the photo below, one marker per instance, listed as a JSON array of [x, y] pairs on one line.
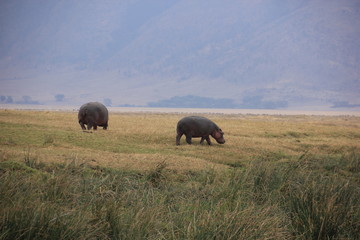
[[195, 126], [93, 114]]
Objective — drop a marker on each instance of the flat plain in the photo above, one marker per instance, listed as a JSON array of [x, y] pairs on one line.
[[276, 177]]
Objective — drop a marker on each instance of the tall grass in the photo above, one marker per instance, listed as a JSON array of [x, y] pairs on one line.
[[324, 203], [275, 178], [264, 201]]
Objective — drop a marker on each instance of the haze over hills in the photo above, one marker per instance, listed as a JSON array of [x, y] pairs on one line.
[[182, 53]]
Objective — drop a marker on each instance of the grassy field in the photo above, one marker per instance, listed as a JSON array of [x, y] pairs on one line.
[[276, 177]]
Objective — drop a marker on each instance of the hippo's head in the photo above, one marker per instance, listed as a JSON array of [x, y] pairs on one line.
[[219, 136]]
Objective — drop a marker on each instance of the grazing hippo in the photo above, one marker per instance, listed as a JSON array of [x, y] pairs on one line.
[[198, 127], [93, 114]]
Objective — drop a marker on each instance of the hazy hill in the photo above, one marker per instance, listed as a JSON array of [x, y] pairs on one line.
[[263, 53]]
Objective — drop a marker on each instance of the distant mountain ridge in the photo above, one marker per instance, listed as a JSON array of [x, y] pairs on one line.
[[293, 53]]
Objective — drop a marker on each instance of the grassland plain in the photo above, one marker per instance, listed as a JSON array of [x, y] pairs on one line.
[[277, 177]]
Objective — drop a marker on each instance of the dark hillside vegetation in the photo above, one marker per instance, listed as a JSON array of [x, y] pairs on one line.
[[256, 54]]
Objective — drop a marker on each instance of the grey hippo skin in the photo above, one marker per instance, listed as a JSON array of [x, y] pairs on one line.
[[195, 126], [93, 114]]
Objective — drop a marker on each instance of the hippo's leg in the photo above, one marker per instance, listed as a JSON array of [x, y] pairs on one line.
[[95, 127], [178, 136], [89, 126], [82, 126], [208, 140], [188, 139], [105, 126], [202, 140]]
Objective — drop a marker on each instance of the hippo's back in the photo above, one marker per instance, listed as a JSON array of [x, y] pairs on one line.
[[196, 126], [95, 110]]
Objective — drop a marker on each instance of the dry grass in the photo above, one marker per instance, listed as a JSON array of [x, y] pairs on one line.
[[139, 141], [277, 177]]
